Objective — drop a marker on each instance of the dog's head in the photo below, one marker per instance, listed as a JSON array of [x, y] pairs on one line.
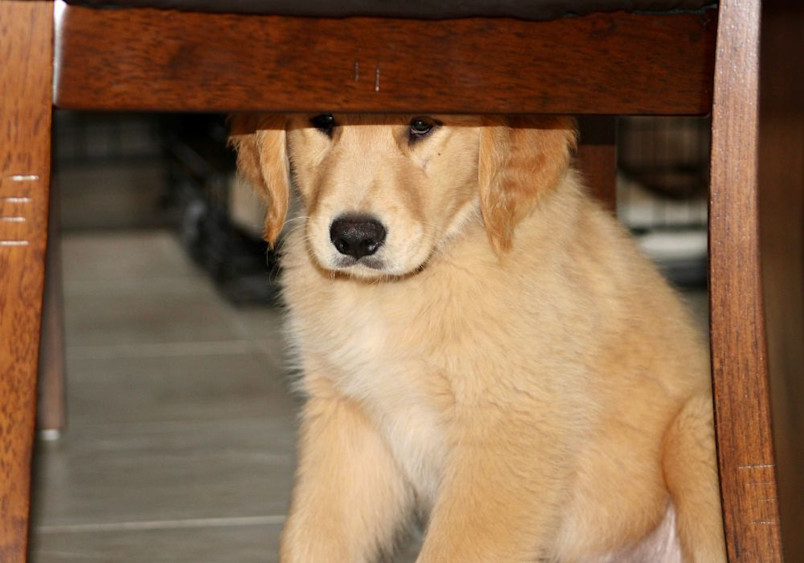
[[383, 193]]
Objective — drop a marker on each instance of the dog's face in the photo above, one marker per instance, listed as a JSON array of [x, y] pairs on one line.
[[383, 193]]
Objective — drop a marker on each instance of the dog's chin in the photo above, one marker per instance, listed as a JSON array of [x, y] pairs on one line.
[[369, 268]]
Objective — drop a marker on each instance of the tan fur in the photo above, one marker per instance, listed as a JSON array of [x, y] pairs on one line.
[[510, 368]]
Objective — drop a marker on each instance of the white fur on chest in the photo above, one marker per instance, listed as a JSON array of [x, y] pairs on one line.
[[369, 358]]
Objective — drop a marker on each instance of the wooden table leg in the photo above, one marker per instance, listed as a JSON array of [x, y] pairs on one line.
[[52, 408], [739, 353], [26, 57], [597, 156]]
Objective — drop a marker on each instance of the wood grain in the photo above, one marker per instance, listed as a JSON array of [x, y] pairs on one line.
[[781, 205], [739, 354], [604, 63], [25, 111]]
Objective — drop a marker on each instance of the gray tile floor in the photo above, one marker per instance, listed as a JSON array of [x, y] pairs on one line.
[[180, 444]]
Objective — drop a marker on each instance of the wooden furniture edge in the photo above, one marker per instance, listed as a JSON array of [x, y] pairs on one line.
[[52, 399], [739, 353], [26, 55], [157, 60]]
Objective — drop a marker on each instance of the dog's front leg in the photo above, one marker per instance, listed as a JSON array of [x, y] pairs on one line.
[[500, 494], [349, 497]]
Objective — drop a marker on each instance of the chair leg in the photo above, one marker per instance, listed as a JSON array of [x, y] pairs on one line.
[[739, 358], [52, 412], [597, 157], [26, 55]]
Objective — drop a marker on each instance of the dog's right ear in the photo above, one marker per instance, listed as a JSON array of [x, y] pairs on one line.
[[263, 161]]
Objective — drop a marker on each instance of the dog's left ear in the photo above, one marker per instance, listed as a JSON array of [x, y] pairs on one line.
[[520, 159]]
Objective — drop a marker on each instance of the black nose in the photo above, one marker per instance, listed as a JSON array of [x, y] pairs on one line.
[[357, 235]]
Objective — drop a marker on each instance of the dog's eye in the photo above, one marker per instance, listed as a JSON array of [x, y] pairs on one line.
[[421, 127], [324, 122]]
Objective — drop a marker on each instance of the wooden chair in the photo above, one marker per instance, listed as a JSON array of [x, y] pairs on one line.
[[603, 63]]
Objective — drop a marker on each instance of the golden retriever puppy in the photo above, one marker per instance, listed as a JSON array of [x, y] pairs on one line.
[[481, 347]]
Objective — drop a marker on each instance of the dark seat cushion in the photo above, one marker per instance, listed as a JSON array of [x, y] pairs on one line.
[[429, 9]]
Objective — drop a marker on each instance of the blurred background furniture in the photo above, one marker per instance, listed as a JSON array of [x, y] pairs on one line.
[[600, 61]]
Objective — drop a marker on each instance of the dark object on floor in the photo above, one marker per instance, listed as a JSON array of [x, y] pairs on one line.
[[201, 173]]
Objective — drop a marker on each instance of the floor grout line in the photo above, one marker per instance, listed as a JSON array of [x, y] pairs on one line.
[[151, 525]]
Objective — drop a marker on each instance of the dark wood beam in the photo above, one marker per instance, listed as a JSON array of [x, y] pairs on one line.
[[604, 63]]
